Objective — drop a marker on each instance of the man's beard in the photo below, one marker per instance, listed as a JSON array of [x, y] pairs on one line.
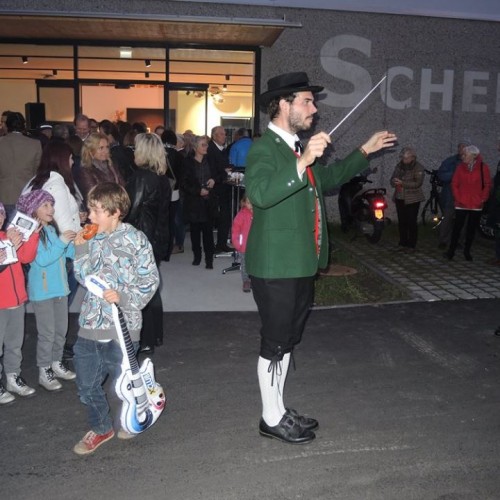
[[297, 123]]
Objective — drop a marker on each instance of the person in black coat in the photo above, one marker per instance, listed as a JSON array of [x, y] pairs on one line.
[[176, 174], [199, 202], [218, 159], [150, 192]]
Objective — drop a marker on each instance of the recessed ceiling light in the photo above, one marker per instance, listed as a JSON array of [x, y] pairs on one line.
[[125, 52]]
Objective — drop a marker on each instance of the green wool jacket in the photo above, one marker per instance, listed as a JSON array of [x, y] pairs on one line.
[[281, 240]]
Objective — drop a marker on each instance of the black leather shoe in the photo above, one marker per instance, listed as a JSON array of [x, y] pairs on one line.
[[147, 349], [308, 423], [288, 431]]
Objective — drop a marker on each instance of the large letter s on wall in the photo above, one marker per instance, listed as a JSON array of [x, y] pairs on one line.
[[343, 70]]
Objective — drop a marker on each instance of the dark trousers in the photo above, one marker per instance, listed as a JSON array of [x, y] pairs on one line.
[[179, 224], [152, 321], [472, 217], [284, 306], [205, 230], [407, 223], [225, 217], [172, 209]]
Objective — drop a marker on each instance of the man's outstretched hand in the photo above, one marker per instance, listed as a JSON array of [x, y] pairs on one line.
[[379, 140]]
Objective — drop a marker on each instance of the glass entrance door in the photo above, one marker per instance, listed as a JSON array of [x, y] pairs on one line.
[[188, 108]]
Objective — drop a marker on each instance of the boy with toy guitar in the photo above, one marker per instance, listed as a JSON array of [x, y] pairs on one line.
[[122, 258]]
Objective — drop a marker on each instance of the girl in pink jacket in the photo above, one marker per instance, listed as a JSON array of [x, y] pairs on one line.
[[239, 236], [13, 296]]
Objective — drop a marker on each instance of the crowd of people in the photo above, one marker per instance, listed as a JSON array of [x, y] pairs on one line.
[[50, 174]]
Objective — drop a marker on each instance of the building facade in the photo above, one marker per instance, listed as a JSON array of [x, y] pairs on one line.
[[443, 75]]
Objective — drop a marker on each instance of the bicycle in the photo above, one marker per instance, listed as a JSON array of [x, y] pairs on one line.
[[432, 212]]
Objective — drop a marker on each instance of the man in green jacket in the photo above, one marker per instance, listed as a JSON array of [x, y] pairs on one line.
[[288, 240]]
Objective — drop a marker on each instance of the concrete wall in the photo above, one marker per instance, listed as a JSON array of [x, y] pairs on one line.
[[443, 74]]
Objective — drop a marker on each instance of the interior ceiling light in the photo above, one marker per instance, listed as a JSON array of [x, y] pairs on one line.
[[125, 52], [24, 59], [147, 62]]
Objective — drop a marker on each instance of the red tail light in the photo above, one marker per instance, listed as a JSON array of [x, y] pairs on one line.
[[379, 204]]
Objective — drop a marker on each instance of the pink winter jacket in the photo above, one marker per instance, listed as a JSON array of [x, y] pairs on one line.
[[241, 227], [470, 192], [12, 281]]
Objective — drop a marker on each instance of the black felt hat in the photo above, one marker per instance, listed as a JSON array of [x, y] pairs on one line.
[[287, 84]]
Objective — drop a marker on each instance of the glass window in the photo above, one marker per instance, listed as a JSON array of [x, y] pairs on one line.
[[121, 63], [32, 62]]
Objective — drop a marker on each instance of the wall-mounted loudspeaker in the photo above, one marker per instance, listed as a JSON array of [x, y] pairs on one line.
[[35, 114]]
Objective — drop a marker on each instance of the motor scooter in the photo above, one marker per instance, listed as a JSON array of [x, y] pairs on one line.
[[362, 209]]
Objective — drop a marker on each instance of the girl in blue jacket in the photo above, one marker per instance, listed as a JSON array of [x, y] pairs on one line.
[[48, 288]]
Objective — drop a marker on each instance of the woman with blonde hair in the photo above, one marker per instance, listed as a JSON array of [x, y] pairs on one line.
[[96, 165], [150, 192]]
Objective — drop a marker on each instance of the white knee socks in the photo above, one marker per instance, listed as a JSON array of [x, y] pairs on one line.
[[271, 389]]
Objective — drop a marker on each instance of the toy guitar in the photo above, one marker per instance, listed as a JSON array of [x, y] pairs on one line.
[[143, 398]]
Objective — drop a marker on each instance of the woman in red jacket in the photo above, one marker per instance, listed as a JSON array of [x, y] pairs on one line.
[[471, 186]]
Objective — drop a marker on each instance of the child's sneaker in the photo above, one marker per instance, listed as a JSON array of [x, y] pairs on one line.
[[247, 286], [91, 441], [5, 396], [61, 371], [47, 379], [16, 384]]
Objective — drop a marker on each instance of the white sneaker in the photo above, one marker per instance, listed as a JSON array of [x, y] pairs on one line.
[[16, 384], [47, 379], [5, 396], [61, 371]]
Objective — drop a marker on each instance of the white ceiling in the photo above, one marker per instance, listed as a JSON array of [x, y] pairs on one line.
[[488, 10]]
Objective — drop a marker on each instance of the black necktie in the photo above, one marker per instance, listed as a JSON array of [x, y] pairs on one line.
[[298, 147]]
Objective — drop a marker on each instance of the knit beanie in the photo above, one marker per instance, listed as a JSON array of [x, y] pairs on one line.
[[2, 209], [29, 203]]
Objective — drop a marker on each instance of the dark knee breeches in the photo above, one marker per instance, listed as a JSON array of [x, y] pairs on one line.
[[283, 305]]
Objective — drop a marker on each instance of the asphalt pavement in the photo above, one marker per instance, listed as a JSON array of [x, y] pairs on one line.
[[407, 396]]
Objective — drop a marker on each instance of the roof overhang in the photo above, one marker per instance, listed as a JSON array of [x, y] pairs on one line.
[[199, 30]]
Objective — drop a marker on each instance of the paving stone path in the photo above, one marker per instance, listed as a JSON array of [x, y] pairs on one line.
[[427, 275]]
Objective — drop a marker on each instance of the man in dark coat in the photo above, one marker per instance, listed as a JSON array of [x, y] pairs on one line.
[[218, 159]]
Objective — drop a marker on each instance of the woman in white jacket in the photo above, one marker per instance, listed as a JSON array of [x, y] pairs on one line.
[[54, 176]]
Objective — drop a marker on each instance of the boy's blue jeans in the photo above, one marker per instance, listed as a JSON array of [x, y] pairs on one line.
[[94, 362]]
